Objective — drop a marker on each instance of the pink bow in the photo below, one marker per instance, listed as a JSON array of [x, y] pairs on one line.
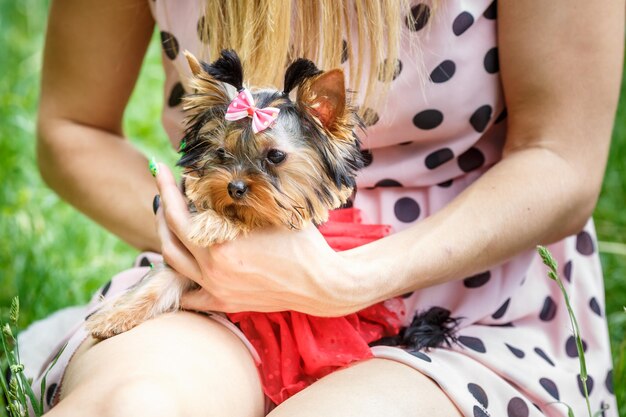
[[243, 106]]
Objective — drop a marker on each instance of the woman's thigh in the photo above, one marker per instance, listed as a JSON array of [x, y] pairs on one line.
[[176, 364], [376, 387]]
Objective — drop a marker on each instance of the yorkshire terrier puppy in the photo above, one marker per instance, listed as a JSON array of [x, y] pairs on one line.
[[257, 159]]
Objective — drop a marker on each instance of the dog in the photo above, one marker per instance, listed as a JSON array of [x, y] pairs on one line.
[[260, 158]]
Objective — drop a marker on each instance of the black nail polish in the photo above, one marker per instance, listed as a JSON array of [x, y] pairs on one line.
[[156, 203]]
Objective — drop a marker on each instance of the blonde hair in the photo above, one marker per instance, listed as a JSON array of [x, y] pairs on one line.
[[269, 34]]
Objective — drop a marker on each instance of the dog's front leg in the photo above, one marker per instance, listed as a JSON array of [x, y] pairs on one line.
[[208, 227], [159, 292]]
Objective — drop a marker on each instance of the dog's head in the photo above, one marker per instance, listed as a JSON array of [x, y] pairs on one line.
[[289, 164]]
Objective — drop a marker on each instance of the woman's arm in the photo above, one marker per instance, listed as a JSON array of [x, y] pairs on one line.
[[92, 57], [561, 66], [561, 71]]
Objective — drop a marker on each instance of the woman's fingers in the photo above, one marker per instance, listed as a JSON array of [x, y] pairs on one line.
[[203, 300], [173, 203], [175, 254]]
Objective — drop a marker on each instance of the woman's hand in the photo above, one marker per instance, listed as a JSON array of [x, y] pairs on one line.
[[273, 269]]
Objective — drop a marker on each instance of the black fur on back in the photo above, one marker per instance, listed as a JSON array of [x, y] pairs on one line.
[[298, 71], [429, 329], [227, 68]]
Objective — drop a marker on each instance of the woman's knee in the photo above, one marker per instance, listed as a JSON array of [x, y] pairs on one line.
[[142, 396], [178, 363], [376, 387]]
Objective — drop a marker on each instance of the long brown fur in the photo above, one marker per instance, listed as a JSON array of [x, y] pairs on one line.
[[316, 133]]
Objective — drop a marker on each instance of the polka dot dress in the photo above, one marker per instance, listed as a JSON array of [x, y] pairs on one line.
[[442, 127]]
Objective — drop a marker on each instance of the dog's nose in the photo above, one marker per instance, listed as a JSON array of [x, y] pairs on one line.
[[237, 189]]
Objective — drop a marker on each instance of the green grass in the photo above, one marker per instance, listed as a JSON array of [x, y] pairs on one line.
[[52, 256]]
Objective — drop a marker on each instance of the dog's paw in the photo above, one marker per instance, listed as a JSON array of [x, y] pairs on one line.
[[209, 228], [110, 322]]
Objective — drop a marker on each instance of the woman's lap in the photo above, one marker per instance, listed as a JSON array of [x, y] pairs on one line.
[[188, 364]]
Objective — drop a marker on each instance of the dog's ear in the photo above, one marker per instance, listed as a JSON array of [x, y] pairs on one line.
[[194, 64], [207, 90], [324, 96]]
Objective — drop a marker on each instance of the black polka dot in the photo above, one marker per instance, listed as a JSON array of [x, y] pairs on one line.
[[595, 307], [478, 393], [502, 310], [176, 95], [479, 412], [439, 157], [543, 355], [588, 383], [370, 117], [170, 45], [344, 51], [492, 11], [421, 14], [567, 271], [420, 355], [471, 159], [105, 289], [548, 310], [428, 119], [477, 280], [480, 118], [201, 30], [584, 243], [502, 116], [608, 382], [50, 391], [508, 324], [570, 347], [144, 261], [406, 209], [517, 408], [473, 343], [491, 63], [517, 352], [388, 183], [461, 23], [405, 143], [367, 157], [443, 72], [445, 184], [550, 387], [396, 72]]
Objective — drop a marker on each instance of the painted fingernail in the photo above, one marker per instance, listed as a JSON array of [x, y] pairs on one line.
[[154, 168], [182, 146], [156, 203]]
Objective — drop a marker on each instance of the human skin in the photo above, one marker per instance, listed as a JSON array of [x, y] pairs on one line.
[[560, 74]]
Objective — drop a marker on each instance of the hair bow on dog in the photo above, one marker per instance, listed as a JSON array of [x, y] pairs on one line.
[[243, 106]]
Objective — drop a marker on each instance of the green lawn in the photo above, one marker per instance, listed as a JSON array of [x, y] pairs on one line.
[[52, 256]]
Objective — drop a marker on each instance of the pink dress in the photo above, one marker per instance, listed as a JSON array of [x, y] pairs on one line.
[[516, 356]]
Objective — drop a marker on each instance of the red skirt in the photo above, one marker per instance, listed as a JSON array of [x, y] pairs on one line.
[[296, 349]]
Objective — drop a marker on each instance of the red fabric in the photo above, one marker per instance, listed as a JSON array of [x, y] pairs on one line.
[[296, 349]]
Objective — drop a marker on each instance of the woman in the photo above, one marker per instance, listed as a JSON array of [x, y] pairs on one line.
[[469, 190]]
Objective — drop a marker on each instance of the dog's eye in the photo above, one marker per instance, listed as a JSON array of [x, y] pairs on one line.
[[275, 156], [221, 153]]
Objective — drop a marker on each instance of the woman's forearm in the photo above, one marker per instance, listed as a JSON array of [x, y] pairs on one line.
[[102, 175], [531, 197]]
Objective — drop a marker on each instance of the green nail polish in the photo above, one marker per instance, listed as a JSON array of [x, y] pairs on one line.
[[182, 146], [151, 265], [154, 169]]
